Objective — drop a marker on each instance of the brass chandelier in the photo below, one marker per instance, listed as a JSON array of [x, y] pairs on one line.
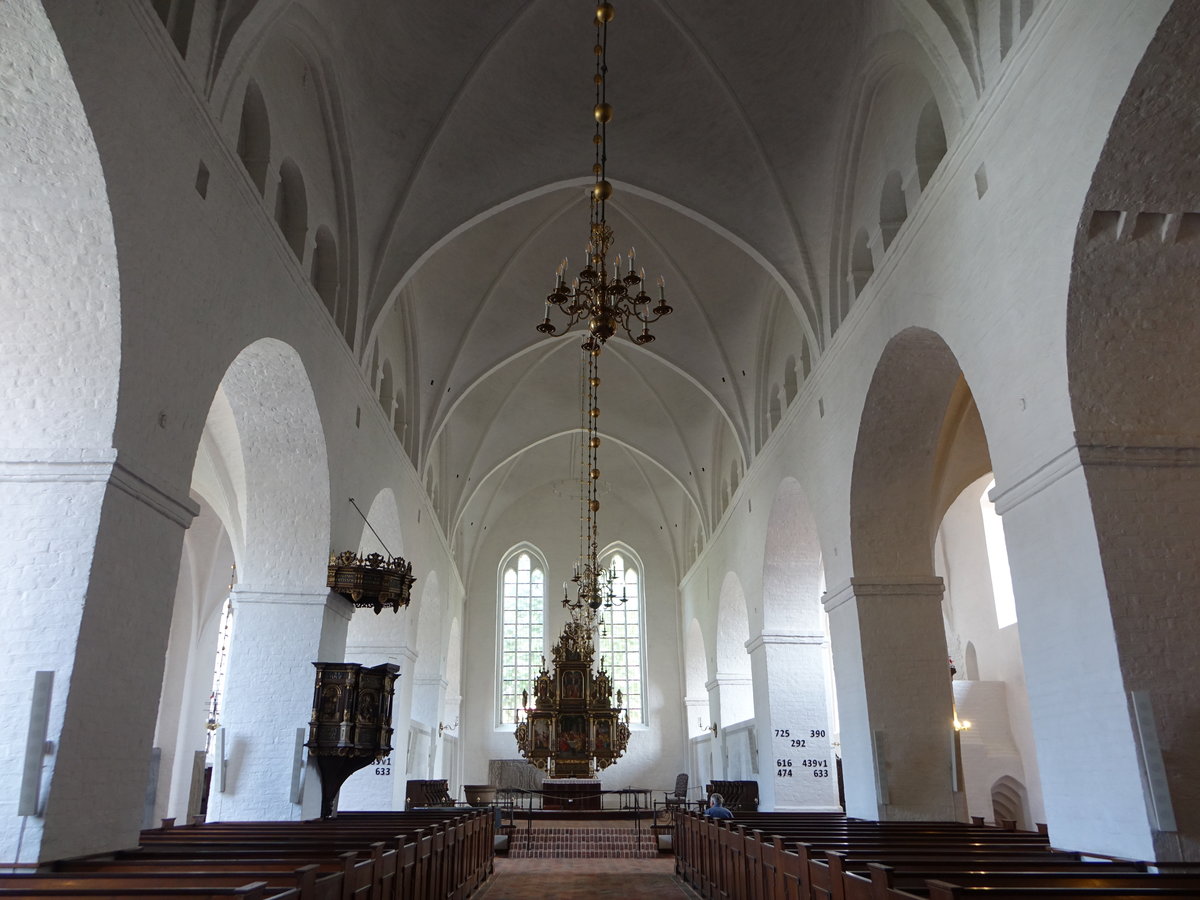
[[605, 300], [574, 728]]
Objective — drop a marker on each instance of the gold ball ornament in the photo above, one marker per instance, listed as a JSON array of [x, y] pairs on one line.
[[594, 443], [594, 412], [603, 112], [594, 505], [595, 473], [602, 190], [605, 12], [602, 326], [594, 381]]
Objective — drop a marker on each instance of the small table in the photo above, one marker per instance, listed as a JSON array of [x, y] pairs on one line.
[[571, 793], [633, 798]]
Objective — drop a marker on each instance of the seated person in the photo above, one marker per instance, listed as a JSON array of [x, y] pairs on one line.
[[716, 808]]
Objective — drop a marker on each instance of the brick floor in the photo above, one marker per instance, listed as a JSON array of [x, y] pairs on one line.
[[583, 879]]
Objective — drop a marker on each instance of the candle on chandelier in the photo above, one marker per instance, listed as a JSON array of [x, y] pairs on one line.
[[662, 284], [630, 255]]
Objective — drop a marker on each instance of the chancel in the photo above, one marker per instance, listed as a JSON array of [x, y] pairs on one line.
[[896, 431]]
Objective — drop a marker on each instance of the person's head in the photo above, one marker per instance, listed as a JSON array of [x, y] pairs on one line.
[[716, 800]]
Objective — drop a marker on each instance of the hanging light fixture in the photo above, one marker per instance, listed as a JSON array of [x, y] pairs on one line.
[[603, 299], [372, 581], [575, 726]]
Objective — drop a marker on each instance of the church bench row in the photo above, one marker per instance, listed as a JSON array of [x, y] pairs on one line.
[[725, 860], [703, 845], [396, 855], [834, 878], [295, 884], [461, 844], [163, 892]]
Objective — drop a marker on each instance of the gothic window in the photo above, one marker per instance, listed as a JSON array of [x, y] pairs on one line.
[[522, 642], [621, 638]]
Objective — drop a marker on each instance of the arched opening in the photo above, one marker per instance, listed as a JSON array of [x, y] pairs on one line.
[[291, 207], [862, 264], [176, 16], [324, 273], [790, 381], [971, 662], [262, 465], [374, 639], [893, 208], [190, 700], [931, 142], [386, 392], [348, 320], [1009, 804], [1008, 27], [887, 627], [399, 425], [254, 137], [993, 697], [731, 689]]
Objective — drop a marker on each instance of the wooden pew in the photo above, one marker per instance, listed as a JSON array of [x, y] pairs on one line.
[[302, 883], [254, 891], [374, 856]]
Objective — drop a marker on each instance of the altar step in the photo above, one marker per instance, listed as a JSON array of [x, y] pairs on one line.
[[582, 843]]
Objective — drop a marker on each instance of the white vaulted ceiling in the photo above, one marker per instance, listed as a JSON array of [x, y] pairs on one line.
[[463, 134]]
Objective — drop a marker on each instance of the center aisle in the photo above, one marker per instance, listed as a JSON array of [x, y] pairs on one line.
[[580, 879]]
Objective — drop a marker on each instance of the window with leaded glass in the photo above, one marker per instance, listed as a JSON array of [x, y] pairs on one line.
[[522, 630], [621, 637]]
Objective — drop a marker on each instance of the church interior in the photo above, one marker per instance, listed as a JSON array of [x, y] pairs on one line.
[[896, 514]]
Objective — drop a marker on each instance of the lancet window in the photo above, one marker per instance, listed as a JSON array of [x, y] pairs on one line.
[[620, 641], [522, 636]]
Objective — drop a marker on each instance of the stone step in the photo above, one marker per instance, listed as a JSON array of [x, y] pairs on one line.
[[582, 843]]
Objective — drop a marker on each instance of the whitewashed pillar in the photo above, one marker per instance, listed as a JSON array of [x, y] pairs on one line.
[[730, 700], [89, 554], [796, 764], [380, 786], [894, 698], [429, 692], [1079, 669], [277, 636]]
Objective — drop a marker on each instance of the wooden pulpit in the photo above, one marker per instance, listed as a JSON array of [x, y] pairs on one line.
[[351, 724]]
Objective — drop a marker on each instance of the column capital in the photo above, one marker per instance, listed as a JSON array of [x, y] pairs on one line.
[[93, 465], [771, 638], [287, 595], [894, 586], [391, 651], [727, 679], [431, 681], [1121, 447]]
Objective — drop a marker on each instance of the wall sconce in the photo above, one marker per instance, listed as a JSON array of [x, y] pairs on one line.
[[713, 727], [961, 724], [443, 727]]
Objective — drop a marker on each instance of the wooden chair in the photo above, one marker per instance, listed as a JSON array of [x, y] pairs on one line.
[[673, 801]]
